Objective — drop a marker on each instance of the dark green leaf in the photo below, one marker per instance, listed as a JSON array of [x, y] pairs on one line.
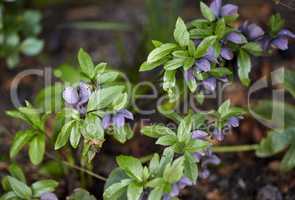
[[253, 48], [40, 187], [20, 140], [63, 135], [204, 46], [244, 64]]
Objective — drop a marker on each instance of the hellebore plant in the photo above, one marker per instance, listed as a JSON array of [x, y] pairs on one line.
[[206, 51]]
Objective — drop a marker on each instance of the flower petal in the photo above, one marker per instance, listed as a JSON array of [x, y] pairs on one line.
[[183, 182], [229, 10], [70, 95], [48, 196], [126, 113], [209, 84], [215, 6], [218, 135], [233, 121], [199, 134], [204, 173], [106, 121], [235, 37], [254, 31], [287, 33], [175, 190], [119, 120], [226, 53], [84, 92], [188, 74], [280, 43], [210, 55], [203, 65]]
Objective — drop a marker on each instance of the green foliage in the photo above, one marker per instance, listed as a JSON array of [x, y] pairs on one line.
[[18, 32], [15, 186]]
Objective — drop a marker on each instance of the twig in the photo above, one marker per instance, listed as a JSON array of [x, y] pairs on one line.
[[77, 167]]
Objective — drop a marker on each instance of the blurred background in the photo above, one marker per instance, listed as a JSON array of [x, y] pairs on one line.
[[119, 32]]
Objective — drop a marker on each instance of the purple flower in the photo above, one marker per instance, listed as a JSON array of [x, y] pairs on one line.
[[199, 134], [117, 119], [209, 159], [236, 37], [280, 41], [189, 75], [233, 121], [251, 31], [226, 53], [48, 196], [222, 11], [218, 134], [209, 84], [180, 185], [204, 63], [77, 97]]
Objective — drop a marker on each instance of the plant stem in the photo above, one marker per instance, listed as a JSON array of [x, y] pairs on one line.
[[235, 148], [77, 168]]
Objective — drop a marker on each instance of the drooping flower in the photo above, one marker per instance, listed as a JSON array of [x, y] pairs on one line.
[[177, 187], [116, 119], [222, 11], [77, 97], [204, 63], [280, 41], [236, 37], [199, 135], [226, 53], [209, 159], [234, 121], [252, 31]]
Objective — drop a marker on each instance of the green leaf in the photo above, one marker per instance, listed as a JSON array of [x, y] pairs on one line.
[[154, 164], [156, 194], [276, 23], [20, 188], [31, 46], [134, 191], [131, 166], [9, 196], [224, 107], [275, 142], [20, 140], [156, 131], [174, 64], [166, 158], [190, 167], [17, 172], [103, 97], [120, 102], [181, 34], [86, 63], [42, 186], [92, 128], [207, 12], [220, 72], [149, 66], [220, 28], [33, 116], [160, 52], [37, 149], [253, 48], [63, 135], [289, 81], [288, 162], [107, 77], [75, 135], [204, 46], [115, 191], [244, 64], [184, 129], [167, 140], [188, 63], [169, 80], [173, 172], [81, 194], [116, 176]]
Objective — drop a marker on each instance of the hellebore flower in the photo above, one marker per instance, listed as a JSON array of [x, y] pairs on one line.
[[77, 97], [117, 119], [251, 31], [280, 41], [222, 11]]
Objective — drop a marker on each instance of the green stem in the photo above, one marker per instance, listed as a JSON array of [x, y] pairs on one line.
[[235, 148]]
